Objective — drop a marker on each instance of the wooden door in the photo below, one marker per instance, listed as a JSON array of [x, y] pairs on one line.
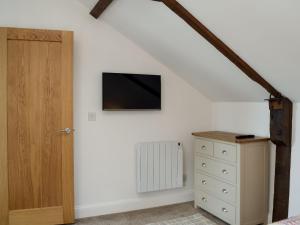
[[36, 155]]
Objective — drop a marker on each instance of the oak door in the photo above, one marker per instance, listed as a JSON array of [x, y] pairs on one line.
[[36, 154]]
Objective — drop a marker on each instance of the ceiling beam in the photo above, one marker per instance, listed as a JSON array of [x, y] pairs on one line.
[[100, 7], [281, 111], [220, 45]]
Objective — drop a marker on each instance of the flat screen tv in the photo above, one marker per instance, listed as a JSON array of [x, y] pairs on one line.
[[122, 91]]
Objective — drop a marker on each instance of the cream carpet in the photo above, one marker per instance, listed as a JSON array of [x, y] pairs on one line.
[[151, 216], [196, 219]]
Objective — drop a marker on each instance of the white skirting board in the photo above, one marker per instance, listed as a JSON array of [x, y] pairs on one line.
[[125, 205]]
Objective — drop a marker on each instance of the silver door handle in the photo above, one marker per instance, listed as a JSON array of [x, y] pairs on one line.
[[224, 171], [225, 191], [224, 210], [67, 130]]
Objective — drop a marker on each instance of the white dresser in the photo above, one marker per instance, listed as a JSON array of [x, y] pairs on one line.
[[232, 177]]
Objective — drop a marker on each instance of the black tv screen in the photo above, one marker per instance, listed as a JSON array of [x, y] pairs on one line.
[[122, 91]]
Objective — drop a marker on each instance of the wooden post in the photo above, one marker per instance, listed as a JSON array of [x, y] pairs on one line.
[[281, 115]]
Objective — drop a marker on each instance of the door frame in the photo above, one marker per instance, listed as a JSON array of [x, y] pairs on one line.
[[66, 38], [3, 129]]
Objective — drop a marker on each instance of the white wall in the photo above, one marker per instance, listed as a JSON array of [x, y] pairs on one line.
[[243, 117], [104, 150], [295, 181], [254, 118]]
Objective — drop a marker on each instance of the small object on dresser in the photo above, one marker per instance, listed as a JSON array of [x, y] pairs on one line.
[[245, 136]]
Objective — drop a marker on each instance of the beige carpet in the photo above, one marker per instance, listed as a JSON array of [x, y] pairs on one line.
[[143, 217], [196, 219]]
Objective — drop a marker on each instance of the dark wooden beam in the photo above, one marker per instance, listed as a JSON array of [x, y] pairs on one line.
[[220, 45], [281, 117], [281, 111], [99, 8], [281, 185]]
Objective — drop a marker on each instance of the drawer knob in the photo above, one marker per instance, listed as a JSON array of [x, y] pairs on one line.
[[224, 152], [225, 191], [203, 147], [224, 210], [204, 182], [224, 171], [204, 199], [203, 164]]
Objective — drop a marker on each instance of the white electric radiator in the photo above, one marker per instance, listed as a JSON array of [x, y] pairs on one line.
[[159, 166]]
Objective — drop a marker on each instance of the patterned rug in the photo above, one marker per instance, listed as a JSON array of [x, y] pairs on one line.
[[291, 221], [196, 219]]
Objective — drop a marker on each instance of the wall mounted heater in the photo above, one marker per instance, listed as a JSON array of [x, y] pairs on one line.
[[159, 166]]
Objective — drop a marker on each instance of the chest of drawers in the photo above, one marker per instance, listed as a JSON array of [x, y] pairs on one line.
[[232, 177]]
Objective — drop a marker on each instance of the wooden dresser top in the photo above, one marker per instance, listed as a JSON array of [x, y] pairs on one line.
[[228, 137]]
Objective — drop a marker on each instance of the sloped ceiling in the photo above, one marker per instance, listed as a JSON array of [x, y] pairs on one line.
[[266, 33]]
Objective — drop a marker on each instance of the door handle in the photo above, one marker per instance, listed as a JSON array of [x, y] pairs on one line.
[[224, 171], [225, 191], [67, 130], [224, 210]]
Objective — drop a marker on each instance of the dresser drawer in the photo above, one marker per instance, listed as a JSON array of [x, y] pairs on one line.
[[225, 152], [204, 147], [217, 188], [217, 207], [222, 170]]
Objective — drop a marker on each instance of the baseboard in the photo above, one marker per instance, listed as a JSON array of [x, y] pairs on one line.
[[270, 217], [142, 202]]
